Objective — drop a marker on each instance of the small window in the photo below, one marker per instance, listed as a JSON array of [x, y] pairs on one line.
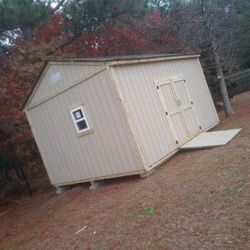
[[79, 120], [55, 78]]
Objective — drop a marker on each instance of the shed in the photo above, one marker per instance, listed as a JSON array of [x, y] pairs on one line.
[[107, 117]]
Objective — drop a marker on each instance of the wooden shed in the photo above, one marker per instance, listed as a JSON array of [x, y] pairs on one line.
[[101, 118]]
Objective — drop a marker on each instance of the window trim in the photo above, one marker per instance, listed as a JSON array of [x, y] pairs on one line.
[[81, 119]]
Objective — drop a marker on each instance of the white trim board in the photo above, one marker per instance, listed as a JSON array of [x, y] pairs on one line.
[[211, 139]]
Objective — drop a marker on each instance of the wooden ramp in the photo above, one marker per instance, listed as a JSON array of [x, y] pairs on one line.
[[211, 139]]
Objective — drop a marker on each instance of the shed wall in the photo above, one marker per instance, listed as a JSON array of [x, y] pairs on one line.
[[59, 76], [136, 82], [108, 151]]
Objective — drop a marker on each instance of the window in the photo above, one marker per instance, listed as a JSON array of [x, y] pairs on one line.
[[55, 78], [79, 120]]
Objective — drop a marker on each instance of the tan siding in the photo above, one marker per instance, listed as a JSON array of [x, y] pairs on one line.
[[68, 73], [41, 150], [105, 152], [142, 100], [202, 98], [110, 150], [146, 113]]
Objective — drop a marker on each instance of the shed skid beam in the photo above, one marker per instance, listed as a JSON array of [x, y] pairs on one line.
[[95, 185], [148, 173]]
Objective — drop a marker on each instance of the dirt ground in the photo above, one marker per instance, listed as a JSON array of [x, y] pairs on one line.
[[197, 200]]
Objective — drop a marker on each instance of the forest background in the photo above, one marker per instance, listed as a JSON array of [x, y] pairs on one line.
[[34, 31]]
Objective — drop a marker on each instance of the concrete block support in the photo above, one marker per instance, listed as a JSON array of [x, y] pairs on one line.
[[62, 189], [95, 185]]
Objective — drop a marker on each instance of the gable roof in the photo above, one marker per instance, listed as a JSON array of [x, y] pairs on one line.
[[110, 60], [58, 78]]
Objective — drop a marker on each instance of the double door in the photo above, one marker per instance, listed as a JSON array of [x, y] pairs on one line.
[[179, 108]]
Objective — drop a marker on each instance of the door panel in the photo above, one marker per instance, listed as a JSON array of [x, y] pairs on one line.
[[191, 121], [172, 111], [181, 93], [178, 107], [186, 106], [178, 124], [169, 98]]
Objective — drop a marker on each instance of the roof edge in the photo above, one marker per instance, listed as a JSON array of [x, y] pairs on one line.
[[33, 89], [109, 59], [156, 59]]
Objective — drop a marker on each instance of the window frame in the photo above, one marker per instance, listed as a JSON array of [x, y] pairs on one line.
[[84, 118]]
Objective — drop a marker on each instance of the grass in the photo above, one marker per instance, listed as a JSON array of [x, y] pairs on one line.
[[149, 210], [236, 189], [146, 211]]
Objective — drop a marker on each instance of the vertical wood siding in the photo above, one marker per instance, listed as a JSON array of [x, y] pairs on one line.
[[68, 74], [200, 93], [106, 151], [147, 115]]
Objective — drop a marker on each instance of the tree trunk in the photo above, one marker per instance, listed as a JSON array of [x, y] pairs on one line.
[[223, 88], [220, 75]]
